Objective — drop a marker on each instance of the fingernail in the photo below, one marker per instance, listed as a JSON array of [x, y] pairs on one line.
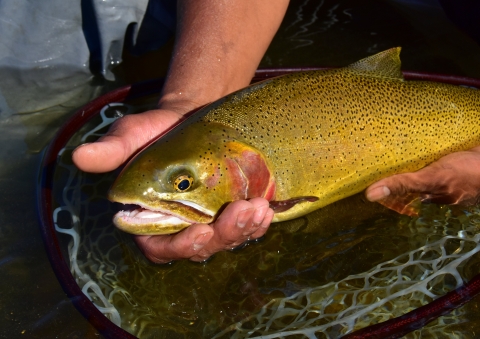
[[378, 193], [200, 241], [80, 146], [259, 214], [85, 144], [243, 217]]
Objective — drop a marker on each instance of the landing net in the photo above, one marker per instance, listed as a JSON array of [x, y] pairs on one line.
[[390, 289]]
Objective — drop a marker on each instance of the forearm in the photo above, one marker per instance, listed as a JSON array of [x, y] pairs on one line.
[[218, 47]]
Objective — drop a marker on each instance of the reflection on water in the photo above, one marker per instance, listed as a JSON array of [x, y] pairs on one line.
[[305, 26], [337, 33], [314, 33], [340, 268]]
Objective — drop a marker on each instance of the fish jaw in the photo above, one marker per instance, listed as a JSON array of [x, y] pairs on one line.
[[155, 224], [166, 217]]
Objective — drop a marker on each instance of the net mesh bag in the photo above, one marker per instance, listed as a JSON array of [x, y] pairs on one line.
[[443, 247]]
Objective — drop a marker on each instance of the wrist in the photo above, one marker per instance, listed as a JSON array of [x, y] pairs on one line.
[[178, 102], [190, 93], [218, 47]]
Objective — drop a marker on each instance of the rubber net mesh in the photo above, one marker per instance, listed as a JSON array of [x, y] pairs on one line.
[[389, 289], [412, 279]]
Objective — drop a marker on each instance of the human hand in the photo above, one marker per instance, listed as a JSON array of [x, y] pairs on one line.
[[125, 137], [453, 179], [239, 222], [208, 62]]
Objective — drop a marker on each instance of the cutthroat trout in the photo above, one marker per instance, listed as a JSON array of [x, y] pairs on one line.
[[302, 141]]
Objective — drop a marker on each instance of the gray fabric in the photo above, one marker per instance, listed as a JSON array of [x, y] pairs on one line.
[[49, 49]]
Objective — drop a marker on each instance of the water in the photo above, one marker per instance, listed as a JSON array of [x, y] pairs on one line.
[[305, 265], [314, 33]]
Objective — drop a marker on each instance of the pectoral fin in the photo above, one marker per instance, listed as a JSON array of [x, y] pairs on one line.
[[408, 204], [282, 206]]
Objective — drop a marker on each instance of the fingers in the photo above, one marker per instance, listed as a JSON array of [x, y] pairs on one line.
[[239, 222], [401, 184], [402, 193], [186, 244], [453, 179], [127, 135], [405, 192]]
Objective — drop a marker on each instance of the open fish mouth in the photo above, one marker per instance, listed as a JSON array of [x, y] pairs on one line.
[[165, 217]]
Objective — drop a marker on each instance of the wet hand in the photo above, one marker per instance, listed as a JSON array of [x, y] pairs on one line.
[[239, 222], [453, 179]]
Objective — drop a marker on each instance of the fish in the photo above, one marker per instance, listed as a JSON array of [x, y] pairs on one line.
[[302, 141]]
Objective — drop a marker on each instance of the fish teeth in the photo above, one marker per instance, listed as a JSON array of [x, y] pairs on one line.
[[142, 213], [148, 214], [147, 217]]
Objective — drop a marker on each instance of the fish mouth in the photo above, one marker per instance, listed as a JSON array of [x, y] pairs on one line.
[[166, 217]]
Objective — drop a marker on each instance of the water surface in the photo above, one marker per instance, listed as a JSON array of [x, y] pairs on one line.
[[314, 33]]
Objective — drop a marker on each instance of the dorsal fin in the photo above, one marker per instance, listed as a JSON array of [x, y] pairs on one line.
[[385, 64]]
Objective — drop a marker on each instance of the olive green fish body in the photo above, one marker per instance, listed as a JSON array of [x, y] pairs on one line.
[[337, 132], [323, 134]]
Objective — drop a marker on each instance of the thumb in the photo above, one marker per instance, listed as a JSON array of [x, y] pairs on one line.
[[126, 136], [101, 156]]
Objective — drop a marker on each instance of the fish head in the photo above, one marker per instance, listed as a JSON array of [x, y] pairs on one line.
[[187, 177]]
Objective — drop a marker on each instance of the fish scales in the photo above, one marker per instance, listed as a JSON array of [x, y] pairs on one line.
[[350, 123], [324, 134]]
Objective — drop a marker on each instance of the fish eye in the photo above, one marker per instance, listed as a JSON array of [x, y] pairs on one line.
[[183, 183]]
